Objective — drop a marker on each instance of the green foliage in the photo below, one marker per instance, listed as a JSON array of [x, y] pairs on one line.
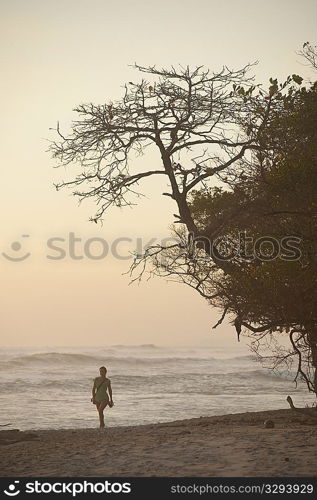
[[277, 197]]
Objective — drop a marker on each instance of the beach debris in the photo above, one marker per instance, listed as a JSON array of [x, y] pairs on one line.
[[269, 424], [308, 412]]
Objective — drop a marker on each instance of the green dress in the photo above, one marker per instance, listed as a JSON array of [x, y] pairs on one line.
[[101, 393]]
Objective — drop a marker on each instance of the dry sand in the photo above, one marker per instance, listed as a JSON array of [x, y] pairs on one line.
[[230, 445]]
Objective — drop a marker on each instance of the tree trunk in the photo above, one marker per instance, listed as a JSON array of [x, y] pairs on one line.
[[312, 340]]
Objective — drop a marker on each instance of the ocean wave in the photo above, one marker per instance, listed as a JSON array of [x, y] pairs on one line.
[[69, 380], [51, 357], [66, 359], [138, 346], [246, 357], [264, 373], [254, 382]]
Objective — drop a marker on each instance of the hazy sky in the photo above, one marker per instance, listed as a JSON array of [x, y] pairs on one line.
[[55, 55]]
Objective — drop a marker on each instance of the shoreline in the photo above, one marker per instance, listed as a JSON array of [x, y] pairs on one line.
[[236, 444]]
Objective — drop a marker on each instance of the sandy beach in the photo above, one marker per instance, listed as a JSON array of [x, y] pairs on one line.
[[230, 445]]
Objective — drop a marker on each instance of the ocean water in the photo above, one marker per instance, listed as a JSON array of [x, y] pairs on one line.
[[51, 388]]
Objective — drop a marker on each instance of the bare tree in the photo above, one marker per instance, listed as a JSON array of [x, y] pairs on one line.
[[192, 117]]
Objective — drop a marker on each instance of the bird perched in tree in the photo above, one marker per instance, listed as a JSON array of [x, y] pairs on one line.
[[110, 113], [238, 325]]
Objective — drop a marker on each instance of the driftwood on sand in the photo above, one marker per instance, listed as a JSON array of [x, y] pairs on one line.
[[15, 436], [308, 412]]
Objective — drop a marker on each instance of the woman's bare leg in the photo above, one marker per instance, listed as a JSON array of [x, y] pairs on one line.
[[97, 408], [100, 409]]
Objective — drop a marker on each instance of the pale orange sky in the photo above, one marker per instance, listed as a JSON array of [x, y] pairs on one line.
[[55, 55]]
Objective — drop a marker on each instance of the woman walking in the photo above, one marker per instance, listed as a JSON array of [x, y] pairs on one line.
[[102, 394]]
